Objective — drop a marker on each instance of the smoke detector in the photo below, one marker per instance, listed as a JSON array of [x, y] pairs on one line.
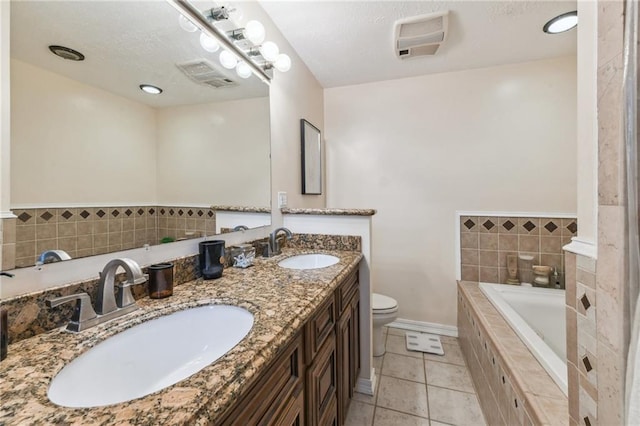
[[205, 72], [420, 35]]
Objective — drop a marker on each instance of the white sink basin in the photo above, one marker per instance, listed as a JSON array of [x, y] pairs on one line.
[[309, 261], [150, 356]]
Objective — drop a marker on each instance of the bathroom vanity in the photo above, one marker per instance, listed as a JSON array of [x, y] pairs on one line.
[[298, 364]]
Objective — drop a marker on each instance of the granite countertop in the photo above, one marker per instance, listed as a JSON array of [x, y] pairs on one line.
[[330, 212], [281, 301], [243, 209]]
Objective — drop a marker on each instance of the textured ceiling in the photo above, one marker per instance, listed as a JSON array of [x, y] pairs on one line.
[[126, 43], [351, 42]]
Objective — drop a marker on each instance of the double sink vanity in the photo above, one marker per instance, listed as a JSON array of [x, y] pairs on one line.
[[276, 343]]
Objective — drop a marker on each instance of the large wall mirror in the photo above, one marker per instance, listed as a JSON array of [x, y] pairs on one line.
[[97, 164]]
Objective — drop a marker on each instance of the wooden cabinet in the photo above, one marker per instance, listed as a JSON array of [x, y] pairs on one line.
[[321, 385], [312, 380], [348, 343], [274, 391]]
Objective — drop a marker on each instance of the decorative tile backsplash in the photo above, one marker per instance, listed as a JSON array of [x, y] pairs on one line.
[[486, 241], [88, 231]]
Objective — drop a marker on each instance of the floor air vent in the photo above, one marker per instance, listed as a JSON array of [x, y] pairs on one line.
[[204, 72], [420, 35]]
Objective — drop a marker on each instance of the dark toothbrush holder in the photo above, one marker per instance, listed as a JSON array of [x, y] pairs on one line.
[[212, 259], [160, 280]]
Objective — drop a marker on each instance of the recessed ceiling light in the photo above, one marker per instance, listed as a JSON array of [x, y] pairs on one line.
[[561, 23], [150, 89], [66, 53]]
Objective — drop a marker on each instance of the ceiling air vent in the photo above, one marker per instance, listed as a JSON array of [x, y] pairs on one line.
[[204, 72], [420, 35]]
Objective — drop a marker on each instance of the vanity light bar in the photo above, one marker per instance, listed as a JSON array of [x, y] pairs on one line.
[[194, 15]]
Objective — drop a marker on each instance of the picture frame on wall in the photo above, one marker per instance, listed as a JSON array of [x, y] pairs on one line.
[[311, 141]]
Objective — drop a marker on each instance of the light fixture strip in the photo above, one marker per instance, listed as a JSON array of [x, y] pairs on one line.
[[194, 15]]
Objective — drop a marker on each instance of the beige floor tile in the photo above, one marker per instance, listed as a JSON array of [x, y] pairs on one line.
[[459, 408], [360, 414], [450, 376], [403, 367], [434, 423], [386, 417], [396, 331], [398, 345], [452, 355], [449, 340], [403, 395]]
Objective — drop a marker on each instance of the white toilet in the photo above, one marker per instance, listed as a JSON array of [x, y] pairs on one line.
[[385, 310]]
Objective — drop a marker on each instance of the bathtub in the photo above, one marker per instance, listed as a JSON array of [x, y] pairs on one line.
[[537, 315]]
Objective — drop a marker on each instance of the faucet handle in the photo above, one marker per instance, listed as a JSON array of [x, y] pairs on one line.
[[83, 310]]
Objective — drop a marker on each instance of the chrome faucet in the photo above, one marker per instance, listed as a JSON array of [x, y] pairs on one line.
[[274, 245], [241, 228], [108, 305], [50, 256]]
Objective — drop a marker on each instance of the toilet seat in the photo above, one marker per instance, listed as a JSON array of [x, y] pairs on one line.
[[383, 304]]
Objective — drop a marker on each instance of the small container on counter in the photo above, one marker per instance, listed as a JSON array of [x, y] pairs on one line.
[[242, 255], [160, 280], [212, 259]]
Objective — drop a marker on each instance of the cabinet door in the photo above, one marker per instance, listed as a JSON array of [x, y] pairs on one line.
[[293, 412], [321, 383], [344, 337], [354, 370]]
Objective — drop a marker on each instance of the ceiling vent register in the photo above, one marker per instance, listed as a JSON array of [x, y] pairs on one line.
[[205, 72], [420, 35]]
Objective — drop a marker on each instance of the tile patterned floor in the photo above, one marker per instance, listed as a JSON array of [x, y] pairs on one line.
[[416, 389]]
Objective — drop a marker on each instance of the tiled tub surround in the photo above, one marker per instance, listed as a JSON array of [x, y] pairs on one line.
[[29, 316], [87, 231], [485, 242], [590, 361], [280, 299], [512, 386]]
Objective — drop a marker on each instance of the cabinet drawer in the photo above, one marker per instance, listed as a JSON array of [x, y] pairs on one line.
[[321, 384], [345, 291], [271, 392], [318, 328]]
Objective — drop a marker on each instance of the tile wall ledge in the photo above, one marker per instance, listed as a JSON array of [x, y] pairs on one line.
[[516, 214], [330, 212], [7, 215], [582, 247], [245, 209]]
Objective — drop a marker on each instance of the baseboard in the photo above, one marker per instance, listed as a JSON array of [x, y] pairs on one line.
[[425, 327], [367, 386]]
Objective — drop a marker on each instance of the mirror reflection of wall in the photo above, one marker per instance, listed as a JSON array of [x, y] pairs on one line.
[[97, 165]]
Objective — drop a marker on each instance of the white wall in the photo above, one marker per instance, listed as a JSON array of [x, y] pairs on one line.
[[75, 144], [293, 95], [5, 118], [418, 149], [216, 153]]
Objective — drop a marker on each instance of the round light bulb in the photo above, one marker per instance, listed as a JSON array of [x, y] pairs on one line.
[[228, 59], [209, 43], [254, 32], [282, 63], [269, 51], [186, 24], [561, 23], [148, 88], [243, 69]]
